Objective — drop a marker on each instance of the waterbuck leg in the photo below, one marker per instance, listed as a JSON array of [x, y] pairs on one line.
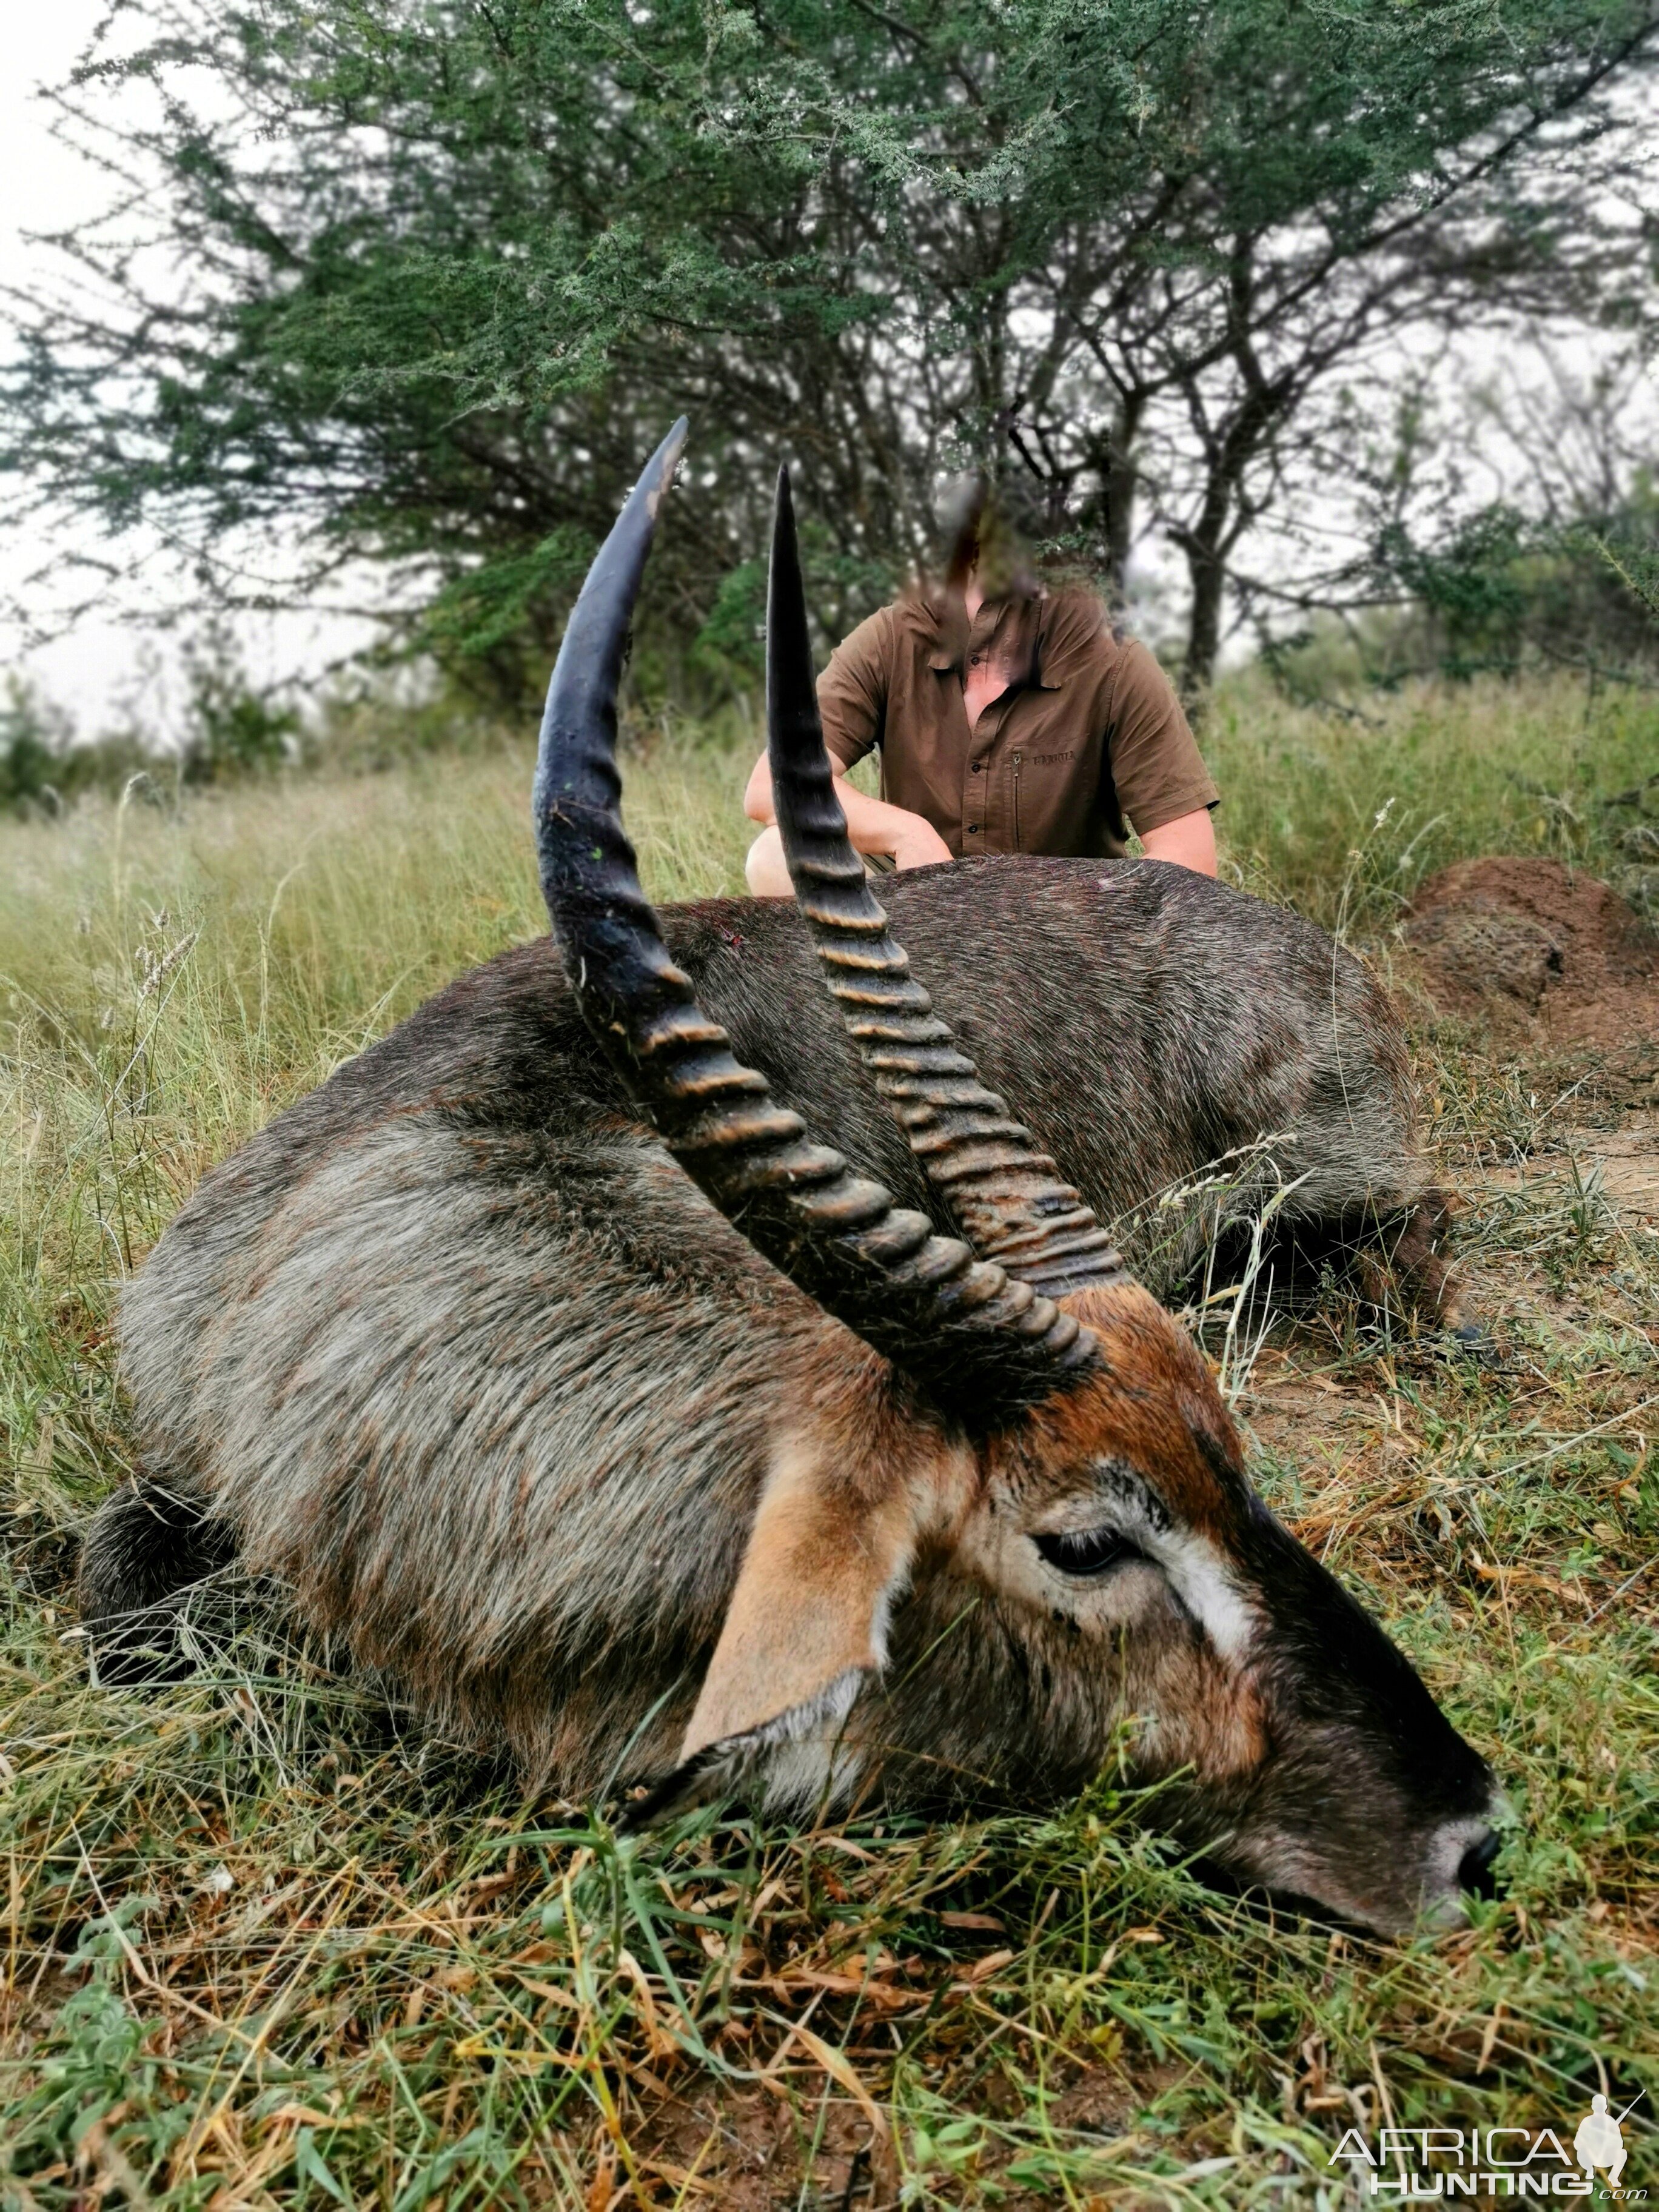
[[1425, 1282], [1414, 1272], [143, 1547]]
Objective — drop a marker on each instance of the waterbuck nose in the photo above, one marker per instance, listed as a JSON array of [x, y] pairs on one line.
[[1474, 1868]]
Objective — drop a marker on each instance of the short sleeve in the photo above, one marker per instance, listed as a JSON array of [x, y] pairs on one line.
[[853, 690], [1156, 766]]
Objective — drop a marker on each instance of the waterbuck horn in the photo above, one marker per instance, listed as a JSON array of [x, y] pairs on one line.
[[962, 1328], [1004, 1194]]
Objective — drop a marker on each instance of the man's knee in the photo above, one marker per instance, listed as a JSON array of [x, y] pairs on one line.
[[766, 870]]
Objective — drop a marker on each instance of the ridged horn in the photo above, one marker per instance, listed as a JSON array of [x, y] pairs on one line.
[[961, 1329], [1004, 1194]]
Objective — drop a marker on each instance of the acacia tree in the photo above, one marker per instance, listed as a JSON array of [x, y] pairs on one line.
[[415, 281], [1323, 192], [1500, 520]]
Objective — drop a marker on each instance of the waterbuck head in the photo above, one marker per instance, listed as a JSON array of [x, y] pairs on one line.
[[1024, 1532]]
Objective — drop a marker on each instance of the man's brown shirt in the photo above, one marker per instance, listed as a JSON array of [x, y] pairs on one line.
[[1088, 738]]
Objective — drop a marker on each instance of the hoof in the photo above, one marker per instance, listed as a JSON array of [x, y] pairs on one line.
[[141, 1651], [1472, 1340]]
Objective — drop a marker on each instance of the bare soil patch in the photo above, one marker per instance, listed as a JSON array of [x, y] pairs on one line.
[[1629, 1161], [1531, 945]]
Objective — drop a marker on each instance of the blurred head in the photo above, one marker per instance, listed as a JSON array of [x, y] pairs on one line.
[[989, 535]]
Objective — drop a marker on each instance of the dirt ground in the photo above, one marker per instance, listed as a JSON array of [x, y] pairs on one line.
[[1542, 954], [1549, 966]]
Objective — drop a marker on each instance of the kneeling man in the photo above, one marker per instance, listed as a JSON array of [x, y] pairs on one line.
[[1010, 719]]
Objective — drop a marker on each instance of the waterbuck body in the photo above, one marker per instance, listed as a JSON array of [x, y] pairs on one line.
[[542, 1355]]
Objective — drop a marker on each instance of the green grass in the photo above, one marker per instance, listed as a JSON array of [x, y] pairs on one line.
[[265, 1945], [1488, 767]]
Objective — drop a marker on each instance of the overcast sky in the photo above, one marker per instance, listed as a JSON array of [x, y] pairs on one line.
[[44, 186]]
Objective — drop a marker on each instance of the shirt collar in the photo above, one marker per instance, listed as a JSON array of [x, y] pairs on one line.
[[948, 613]]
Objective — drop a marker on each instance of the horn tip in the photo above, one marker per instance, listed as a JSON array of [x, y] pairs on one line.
[[666, 458]]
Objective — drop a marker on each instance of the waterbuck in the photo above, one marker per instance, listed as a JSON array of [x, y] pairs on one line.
[[546, 1355]]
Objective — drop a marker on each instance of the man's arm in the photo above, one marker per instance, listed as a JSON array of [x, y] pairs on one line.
[[872, 823], [852, 700], [1163, 786], [1188, 841]]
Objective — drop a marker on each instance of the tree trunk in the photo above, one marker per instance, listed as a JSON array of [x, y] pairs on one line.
[[1120, 479], [1207, 571]]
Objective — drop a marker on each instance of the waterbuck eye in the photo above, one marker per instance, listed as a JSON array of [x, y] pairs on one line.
[[1087, 1551]]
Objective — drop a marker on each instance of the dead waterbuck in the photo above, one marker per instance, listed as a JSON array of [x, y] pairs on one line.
[[546, 1355]]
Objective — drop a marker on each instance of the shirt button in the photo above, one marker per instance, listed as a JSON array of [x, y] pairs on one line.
[[973, 661], [976, 768], [973, 829]]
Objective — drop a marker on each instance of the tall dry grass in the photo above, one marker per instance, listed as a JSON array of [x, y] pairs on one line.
[[1546, 767]]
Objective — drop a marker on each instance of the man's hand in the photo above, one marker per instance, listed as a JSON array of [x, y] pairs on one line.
[[917, 844], [912, 843], [872, 825]]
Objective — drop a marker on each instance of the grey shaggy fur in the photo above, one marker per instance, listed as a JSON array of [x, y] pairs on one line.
[[456, 1352]]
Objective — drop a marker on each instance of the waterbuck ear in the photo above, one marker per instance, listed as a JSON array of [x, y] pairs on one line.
[[805, 1629]]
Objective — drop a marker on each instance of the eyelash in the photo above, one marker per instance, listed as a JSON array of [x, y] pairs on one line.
[[1088, 1553]]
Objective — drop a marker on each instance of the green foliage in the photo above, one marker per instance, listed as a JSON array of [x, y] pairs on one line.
[[483, 613], [33, 739], [454, 267], [230, 729], [1470, 584], [45, 770], [1500, 590], [736, 627], [734, 637], [1637, 567]]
